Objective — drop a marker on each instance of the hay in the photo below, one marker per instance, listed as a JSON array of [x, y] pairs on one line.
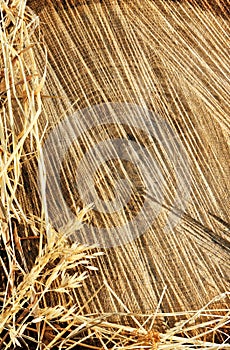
[[51, 295]]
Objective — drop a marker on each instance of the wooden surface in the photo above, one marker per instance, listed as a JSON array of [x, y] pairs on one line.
[[174, 58]]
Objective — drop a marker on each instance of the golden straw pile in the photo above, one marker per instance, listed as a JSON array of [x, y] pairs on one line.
[[56, 293]]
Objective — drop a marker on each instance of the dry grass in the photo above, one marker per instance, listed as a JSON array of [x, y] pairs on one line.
[[28, 318]]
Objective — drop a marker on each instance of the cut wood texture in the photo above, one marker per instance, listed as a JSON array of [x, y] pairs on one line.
[[170, 58]]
